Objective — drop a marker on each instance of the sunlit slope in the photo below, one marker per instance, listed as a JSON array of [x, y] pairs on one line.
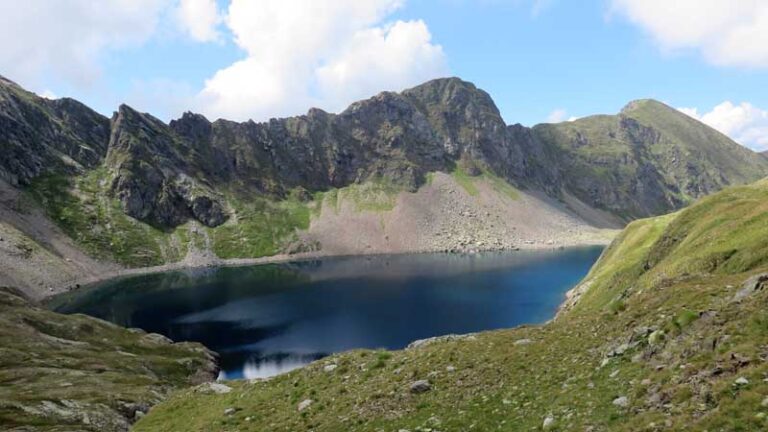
[[669, 334]]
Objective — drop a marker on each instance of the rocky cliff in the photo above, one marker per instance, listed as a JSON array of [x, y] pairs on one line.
[[251, 189]]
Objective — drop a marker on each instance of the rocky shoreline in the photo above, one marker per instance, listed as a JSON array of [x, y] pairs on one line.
[[198, 262]]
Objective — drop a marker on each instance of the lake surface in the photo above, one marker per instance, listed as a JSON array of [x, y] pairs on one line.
[[269, 319]]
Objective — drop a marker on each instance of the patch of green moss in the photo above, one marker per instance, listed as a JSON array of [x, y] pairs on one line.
[[466, 181], [469, 183], [259, 227], [83, 209]]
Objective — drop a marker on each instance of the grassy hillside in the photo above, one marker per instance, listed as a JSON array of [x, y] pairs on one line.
[[670, 333], [648, 160], [73, 372]]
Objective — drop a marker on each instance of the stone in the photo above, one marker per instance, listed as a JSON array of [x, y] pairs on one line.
[[656, 337], [621, 401], [330, 367], [751, 285], [549, 423], [214, 387], [304, 404], [523, 342], [230, 411], [741, 381], [420, 386]]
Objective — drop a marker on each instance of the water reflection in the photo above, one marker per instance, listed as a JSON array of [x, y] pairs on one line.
[[269, 319]]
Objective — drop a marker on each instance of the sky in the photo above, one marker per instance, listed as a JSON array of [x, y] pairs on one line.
[[540, 60]]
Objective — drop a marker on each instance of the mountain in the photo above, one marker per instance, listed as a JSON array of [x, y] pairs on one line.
[[666, 332], [432, 168], [647, 160]]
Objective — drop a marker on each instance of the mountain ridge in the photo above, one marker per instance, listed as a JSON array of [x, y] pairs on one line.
[[192, 187]]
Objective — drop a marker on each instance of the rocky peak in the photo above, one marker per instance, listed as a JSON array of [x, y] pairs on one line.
[[192, 126]]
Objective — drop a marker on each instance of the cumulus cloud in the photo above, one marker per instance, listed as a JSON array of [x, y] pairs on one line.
[[200, 19], [744, 123], [726, 32], [66, 39], [323, 53], [557, 116]]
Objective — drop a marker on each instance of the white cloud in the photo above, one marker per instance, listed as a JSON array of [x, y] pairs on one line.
[[726, 32], [404, 55], [200, 19], [65, 40], [557, 116], [324, 53], [744, 123], [48, 94]]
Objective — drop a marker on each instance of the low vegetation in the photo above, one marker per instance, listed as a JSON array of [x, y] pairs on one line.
[[81, 207], [74, 372], [670, 335]]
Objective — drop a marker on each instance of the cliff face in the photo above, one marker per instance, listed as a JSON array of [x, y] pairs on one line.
[[39, 135], [647, 160]]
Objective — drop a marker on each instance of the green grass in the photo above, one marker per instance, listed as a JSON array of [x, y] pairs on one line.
[[466, 181], [46, 357], [658, 274], [469, 183], [260, 227], [82, 208]]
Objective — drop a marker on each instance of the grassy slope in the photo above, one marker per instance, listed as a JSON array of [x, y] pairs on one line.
[[596, 151], [57, 370], [664, 290]]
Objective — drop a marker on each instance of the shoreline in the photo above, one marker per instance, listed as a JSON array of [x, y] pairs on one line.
[[201, 262]]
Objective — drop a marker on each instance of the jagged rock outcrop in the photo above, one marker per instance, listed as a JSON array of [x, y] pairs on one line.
[[647, 160], [155, 175], [39, 135]]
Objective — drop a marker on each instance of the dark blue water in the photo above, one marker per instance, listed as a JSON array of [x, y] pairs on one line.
[[269, 319]]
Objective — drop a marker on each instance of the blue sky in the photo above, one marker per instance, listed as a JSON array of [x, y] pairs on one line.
[[541, 60]]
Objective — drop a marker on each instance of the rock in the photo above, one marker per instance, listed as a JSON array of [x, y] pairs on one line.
[[450, 337], [523, 341], [549, 423], [304, 404], [656, 337], [229, 411], [750, 286], [330, 367], [450, 368], [420, 386], [216, 388], [764, 403], [621, 401], [155, 338], [741, 381]]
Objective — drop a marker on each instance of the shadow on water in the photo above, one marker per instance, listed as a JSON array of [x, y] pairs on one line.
[[269, 319]]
